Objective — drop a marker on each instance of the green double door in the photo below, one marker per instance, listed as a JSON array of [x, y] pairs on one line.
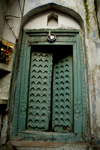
[[50, 102], [50, 98]]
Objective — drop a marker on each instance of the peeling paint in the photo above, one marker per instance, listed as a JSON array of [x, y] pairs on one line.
[[97, 45], [93, 34]]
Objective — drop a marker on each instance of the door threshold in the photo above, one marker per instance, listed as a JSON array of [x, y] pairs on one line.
[[48, 133], [48, 136], [47, 144]]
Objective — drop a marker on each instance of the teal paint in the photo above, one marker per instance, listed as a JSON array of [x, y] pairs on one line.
[[84, 93], [63, 93], [24, 86], [17, 97], [39, 91], [79, 87], [40, 100]]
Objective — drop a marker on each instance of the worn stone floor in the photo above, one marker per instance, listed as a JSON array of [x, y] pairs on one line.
[[35, 145]]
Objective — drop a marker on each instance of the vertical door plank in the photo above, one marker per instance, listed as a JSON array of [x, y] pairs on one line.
[[77, 88], [40, 91], [63, 95], [17, 92], [24, 88]]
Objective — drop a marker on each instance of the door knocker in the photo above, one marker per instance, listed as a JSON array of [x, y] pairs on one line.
[[51, 37]]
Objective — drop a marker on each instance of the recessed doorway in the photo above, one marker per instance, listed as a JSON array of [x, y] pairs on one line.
[[50, 103]]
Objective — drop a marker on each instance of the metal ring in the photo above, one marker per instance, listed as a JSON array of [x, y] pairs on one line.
[[51, 40]]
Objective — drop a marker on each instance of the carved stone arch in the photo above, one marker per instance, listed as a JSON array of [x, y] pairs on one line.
[[69, 11], [53, 6]]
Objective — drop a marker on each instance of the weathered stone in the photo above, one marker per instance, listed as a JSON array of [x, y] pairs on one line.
[[29, 145]]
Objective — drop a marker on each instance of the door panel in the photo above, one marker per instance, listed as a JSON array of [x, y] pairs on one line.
[[44, 111], [63, 95], [40, 91], [26, 117]]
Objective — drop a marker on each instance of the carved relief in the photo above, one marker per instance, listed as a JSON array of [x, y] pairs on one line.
[[39, 92], [62, 108]]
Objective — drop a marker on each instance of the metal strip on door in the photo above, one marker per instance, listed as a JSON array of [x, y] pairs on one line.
[[40, 91], [62, 95]]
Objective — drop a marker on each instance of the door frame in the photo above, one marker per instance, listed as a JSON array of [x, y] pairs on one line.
[[39, 37]]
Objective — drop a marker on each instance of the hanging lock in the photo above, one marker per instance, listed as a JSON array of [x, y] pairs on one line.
[[51, 37]]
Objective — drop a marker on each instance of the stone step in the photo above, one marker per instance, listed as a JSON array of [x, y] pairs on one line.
[[30, 145], [60, 148]]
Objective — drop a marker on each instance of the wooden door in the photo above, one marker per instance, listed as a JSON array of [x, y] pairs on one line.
[[40, 91], [50, 93], [62, 120], [50, 105]]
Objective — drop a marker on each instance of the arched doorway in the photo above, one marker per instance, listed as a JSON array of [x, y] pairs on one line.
[[50, 96]]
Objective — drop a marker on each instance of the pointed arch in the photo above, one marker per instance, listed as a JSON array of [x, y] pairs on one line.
[[53, 6]]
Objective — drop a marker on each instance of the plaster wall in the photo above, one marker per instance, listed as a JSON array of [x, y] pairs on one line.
[[14, 10], [4, 86], [98, 12], [3, 10], [41, 21], [13, 19], [92, 43]]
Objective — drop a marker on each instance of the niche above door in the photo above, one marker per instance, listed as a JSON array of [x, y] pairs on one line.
[[52, 20]]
